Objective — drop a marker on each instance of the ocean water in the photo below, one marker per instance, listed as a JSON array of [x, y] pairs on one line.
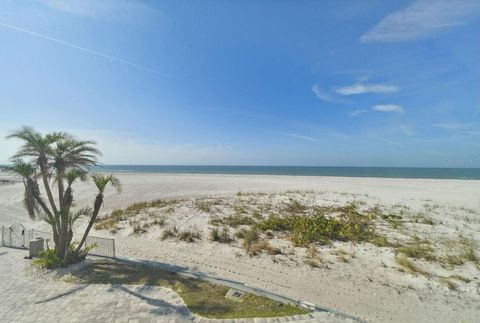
[[386, 172]]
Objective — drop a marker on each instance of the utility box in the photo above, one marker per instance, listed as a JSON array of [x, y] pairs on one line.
[[35, 247]]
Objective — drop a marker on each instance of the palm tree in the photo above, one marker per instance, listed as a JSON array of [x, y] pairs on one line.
[[101, 182], [72, 154], [27, 172], [39, 148], [68, 159]]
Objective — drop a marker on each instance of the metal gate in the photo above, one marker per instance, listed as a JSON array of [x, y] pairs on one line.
[[14, 236]]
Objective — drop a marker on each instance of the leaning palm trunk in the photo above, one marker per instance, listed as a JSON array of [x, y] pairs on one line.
[[101, 182], [97, 205]]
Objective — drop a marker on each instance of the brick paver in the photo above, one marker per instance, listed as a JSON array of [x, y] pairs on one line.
[[25, 298]]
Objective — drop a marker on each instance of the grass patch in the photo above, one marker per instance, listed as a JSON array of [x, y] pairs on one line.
[[418, 249], [169, 233], [314, 260], [139, 229], [295, 207], [202, 298], [222, 236], [249, 238], [116, 216], [428, 221], [342, 256], [348, 224], [205, 206], [461, 251], [190, 235], [409, 266], [233, 221], [262, 246], [447, 281], [381, 241]]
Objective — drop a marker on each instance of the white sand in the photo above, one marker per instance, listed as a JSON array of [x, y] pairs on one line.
[[369, 285]]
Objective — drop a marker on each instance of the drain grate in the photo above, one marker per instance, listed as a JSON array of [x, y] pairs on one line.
[[235, 294]]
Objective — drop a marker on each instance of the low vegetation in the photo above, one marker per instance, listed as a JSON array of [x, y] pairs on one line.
[[314, 259], [252, 221], [115, 217], [202, 298], [418, 249], [222, 236], [341, 223], [49, 259], [233, 221], [409, 266], [459, 252], [188, 235]]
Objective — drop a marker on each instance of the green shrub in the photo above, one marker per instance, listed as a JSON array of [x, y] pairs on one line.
[[302, 230], [48, 259]]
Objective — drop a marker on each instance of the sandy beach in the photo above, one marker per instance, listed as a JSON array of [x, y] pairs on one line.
[[363, 279]]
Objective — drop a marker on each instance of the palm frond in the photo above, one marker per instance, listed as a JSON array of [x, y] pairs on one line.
[[74, 216], [101, 181], [21, 168]]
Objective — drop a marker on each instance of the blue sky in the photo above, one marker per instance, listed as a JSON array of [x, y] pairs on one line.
[[341, 83]]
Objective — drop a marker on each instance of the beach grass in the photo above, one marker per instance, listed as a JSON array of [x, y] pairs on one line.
[[116, 216], [252, 221], [409, 266], [202, 298]]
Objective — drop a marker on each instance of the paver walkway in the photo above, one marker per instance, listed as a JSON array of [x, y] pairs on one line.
[[25, 298]]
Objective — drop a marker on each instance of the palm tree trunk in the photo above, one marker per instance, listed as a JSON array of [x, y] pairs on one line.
[[43, 170], [58, 232], [97, 205], [61, 189]]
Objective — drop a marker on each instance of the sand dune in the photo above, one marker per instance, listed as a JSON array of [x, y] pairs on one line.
[[368, 285]]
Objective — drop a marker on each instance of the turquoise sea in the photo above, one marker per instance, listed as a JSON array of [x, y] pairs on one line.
[[389, 172]]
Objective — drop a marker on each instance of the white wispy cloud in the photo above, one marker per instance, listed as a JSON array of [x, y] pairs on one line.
[[298, 136], [81, 48], [407, 130], [421, 19], [119, 147], [355, 113], [367, 88], [451, 126], [388, 108], [322, 94], [99, 9]]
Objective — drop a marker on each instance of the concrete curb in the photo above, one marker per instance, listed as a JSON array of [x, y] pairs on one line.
[[237, 285]]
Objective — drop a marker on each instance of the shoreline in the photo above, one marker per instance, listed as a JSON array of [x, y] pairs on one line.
[[331, 171], [129, 173]]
